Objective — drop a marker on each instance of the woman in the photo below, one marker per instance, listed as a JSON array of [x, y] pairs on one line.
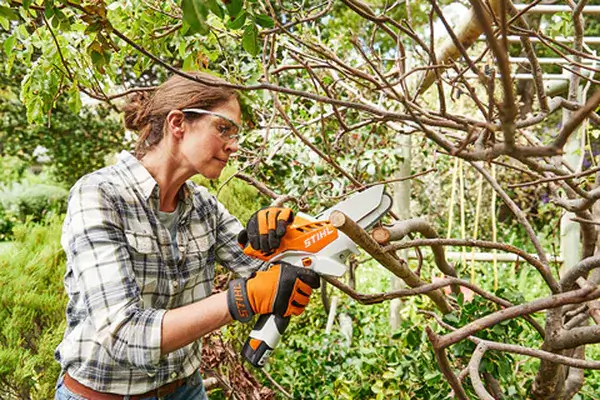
[[142, 242]]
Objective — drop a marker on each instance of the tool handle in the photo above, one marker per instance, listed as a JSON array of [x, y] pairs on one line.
[[264, 338]]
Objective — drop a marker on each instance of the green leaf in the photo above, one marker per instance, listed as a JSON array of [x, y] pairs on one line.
[[182, 49], [7, 13], [238, 22], [498, 330], [195, 13], [413, 339], [250, 40], [58, 14], [451, 318], [97, 58], [377, 387], [397, 335], [388, 375], [234, 7], [9, 63], [215, 7], [9, 44], [188, 63], [265, 21], [49, 9], [35, 110], [114, 6], [74, 101]]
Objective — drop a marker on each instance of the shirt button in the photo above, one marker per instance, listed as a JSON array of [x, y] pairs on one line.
[[174, 375]]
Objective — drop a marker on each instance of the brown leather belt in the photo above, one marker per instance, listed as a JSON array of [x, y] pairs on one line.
[[92, 394]]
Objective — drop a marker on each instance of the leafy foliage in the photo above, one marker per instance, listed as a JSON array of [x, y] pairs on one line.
[[32, 304], [11, 169], [76, 143], [49, 122], [31, 198]]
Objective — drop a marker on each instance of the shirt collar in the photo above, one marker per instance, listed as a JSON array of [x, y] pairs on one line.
[[138, 174], [145, 183]]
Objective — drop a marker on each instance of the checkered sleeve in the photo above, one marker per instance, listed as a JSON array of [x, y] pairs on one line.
[[97, 253], [229, 252]]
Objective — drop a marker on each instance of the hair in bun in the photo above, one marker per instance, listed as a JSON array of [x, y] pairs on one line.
[[146, 111], [135, 112]]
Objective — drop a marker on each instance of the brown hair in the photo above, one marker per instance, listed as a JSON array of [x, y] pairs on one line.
[[146, 112]]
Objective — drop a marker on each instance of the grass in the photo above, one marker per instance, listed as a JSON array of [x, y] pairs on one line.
[[5, 247]]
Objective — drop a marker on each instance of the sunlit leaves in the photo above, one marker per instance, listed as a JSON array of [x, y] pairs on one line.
[[238, 21], [265, 21], [7, 15], [9, 44], [78, 42], [194, 14], [234, 7], [250, 39], [215, 7]]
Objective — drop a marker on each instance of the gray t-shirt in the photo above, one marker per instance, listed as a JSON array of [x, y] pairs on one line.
[[169, 220]]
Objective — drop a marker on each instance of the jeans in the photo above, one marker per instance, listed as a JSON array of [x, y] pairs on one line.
[[193, 389]]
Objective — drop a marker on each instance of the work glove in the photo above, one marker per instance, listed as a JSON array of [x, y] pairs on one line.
[[265, 229], [283, 289]]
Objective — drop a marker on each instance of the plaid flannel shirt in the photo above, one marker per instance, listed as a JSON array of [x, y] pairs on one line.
[[122, 276]]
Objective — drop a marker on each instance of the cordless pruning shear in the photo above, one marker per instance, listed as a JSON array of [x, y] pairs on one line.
[[312, 242]]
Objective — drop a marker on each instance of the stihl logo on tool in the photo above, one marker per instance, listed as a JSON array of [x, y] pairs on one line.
[[302, 235], [318, 236]]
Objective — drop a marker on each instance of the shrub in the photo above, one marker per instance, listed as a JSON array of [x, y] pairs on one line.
[[26, 201], [32, 304], [7, 221], [11, 169]]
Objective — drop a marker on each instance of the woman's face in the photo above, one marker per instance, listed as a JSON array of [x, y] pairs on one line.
[[202, 147]]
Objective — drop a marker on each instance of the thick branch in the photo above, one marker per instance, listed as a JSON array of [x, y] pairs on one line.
[[570, 338], [526, 351], [340, 221], [474, 372], [575, 377], [402, 228], [457, 44], [444, 364], [575, 120], [508, 111], [580, 269]]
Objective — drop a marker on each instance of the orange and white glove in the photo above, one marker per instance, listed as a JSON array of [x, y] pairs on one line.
[[265, 228], [283, 289]]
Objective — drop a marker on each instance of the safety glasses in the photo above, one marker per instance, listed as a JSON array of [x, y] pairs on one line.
[[228, 129]]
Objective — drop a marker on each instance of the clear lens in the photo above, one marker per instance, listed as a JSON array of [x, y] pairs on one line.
[[227, 129]]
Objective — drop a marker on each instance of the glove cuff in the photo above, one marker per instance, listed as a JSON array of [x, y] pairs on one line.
[[237, 301]]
